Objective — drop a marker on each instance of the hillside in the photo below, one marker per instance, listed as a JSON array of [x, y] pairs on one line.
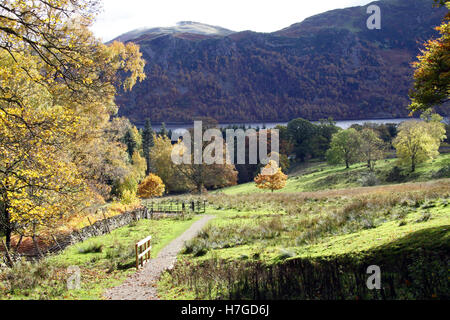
[[321, 176], [328, 65], [317, 245]]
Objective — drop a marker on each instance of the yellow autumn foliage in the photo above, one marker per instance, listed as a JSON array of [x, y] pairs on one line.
[[151, 186], [271, 178]]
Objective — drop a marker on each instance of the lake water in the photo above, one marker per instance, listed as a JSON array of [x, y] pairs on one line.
[[344, 124]]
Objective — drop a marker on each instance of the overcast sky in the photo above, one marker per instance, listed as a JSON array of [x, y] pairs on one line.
[[120, 16]]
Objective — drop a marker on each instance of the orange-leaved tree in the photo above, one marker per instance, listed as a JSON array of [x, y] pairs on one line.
[[271, 178], [151, 186]]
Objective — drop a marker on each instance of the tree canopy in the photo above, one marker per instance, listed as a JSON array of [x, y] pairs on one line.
[[57, 93], [418, 141], [271, 178], [432, 70]]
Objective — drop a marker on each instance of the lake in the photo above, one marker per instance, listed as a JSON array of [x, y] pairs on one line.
[[344, 124]]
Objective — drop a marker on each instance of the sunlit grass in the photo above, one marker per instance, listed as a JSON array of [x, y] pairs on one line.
[[105, 261], [321, 176]]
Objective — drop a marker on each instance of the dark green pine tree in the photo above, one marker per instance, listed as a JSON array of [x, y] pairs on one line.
[[163, 131], [147, 143], [130, 142]]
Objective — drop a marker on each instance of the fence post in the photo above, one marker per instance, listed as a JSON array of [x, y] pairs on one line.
[[57, 243], [106, 223], [137, 257]]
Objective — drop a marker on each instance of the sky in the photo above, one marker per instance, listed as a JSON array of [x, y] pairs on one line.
[[120, 16]]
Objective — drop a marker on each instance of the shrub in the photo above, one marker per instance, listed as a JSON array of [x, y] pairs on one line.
[[406, 276], [90, 247], [368, 179], [24, 277], [197, 246], [396, 175], [152, 186], [444, 172], [120, 256], [128, 197], [285, 254], [425, 216]]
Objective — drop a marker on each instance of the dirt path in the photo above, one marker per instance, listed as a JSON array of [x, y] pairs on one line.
[[142, 284]]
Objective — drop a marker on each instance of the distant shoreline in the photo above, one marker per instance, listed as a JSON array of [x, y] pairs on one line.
[[271, 122]]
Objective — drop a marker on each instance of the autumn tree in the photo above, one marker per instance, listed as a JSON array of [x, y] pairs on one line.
[[344, 147], [151, 186], [57, 88], [271, 178], [207, 176], [371, 148], [162, 165], [418, 141], [432, 70]]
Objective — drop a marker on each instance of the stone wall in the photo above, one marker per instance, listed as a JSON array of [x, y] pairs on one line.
[[98, 228]]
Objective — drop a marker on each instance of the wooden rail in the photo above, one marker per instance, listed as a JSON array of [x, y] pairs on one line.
[[178, 207], [143, 248]]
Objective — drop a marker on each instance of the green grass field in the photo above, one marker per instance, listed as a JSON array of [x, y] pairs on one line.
[[323, 213], [104, 261], [325, 219], [321, 176]]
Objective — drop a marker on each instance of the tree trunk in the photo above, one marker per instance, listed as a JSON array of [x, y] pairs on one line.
[[8, 237], [8, 228], [200, 188], [36, 246]]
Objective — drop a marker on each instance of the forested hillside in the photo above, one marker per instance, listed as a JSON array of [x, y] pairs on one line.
[[327, 65]]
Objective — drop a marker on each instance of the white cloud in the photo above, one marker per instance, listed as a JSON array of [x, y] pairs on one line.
[[120, 16]]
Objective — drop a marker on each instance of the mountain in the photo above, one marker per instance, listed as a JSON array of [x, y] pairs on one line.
[[182, 28], [329, 65]]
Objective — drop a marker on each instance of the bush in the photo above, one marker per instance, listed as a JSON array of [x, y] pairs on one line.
[[368, 179], [90, 247], [418, 275], [444, 172], [120, 257], [197, 246], [128, 197], [26, 278], [396, 175], [285, 254]]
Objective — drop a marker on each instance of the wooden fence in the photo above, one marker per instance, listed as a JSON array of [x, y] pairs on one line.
[[178, 207], [143, 248]]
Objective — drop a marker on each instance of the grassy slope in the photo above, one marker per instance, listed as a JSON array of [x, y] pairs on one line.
[[395, 236], [98, 271], [323, 176], [360, 241], [393, 228]]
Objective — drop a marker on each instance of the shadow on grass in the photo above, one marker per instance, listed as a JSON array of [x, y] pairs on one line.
[[414, 267]]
